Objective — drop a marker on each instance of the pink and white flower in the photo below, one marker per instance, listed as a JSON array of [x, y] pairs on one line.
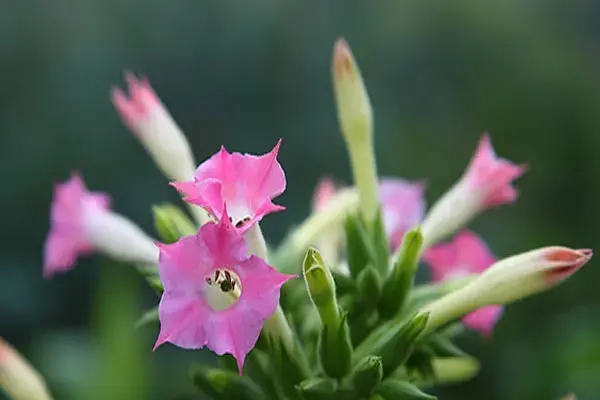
[[466, 254], [215, 294], [486, 183], [245, 184], [144, 114], [81, 222], [403, 206]]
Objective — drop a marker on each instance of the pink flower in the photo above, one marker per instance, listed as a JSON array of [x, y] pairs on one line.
[[492, 176], [243, 183], [403, 206], [324, 191], [144, 114], [81, 222], [67, 240], [486, 183], [466, 254], [215, 294]]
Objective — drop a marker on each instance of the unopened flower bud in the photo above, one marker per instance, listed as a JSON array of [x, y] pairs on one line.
[[356, 122], [508, 280], [18, 378], [144, 114]]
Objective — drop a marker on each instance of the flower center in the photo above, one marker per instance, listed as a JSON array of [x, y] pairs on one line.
[[222, 289], [239, 222]]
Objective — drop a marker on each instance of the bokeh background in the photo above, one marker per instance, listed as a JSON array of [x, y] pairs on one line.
[[246, 73]]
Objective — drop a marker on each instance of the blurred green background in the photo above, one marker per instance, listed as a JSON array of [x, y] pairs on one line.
[[246, 73]]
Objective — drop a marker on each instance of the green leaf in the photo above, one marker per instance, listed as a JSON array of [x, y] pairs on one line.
[[394, 341], [359, 248], [288, 369], [398, 286], [421, 361], [219, 383], [401, 390], [317, 388], [343, 283], [441, 346], [380, 245], [450, 370], [369, 289], [171, 223], [367, 375], [149, 317], [335, 349]]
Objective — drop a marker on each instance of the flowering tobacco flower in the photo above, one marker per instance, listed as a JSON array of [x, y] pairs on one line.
[[486, 183], [245, 184], [81, 222], [215, 295], [466, 254], [403, 206]]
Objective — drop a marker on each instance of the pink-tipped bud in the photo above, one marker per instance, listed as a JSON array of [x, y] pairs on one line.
[[529, 273], [18, 378], [144, 114]]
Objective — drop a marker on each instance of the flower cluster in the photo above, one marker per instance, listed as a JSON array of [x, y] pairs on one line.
[[365, 327]]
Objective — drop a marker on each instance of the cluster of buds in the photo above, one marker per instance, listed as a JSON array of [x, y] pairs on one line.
[[356, 325]]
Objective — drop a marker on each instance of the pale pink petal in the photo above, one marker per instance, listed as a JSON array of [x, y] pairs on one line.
[[466, 254], [248, 184], [206, 194], [484, 319], [324, 191], [261, 285], [66, 240], [403, 206], [226, 247], [472, 252], [491, 177], [441, 261], [138, 105], [179, 313]]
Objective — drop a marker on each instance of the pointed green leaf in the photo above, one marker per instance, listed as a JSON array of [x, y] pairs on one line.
[[369, 286], [400, 282], [335, 349], [401, 390], [149, 317], [367, 375], [380, 245], [359, 247], [171, 223], [219, 383], [317, 388]]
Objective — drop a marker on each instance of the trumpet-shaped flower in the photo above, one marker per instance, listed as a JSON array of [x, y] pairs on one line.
[[81, 222], [466, 254], [402, 205], [144, 114], [486, 183], [215, 295], [245, 184]]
